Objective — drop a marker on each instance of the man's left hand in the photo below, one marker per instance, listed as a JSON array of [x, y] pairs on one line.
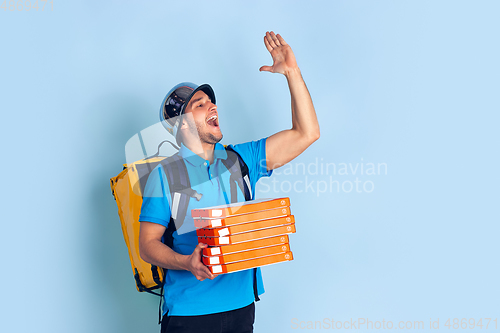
[[283, 57]]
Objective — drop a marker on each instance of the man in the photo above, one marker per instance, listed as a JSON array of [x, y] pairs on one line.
[[196, 300]]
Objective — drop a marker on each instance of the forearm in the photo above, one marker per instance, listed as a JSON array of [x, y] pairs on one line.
[[304, 119], [159, 254], [286, 145]]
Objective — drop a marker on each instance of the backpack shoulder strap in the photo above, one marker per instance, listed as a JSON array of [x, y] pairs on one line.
[[180, 190], [239, 174], [240, 177]]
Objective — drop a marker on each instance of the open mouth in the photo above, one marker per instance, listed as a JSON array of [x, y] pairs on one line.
[[213, 121]]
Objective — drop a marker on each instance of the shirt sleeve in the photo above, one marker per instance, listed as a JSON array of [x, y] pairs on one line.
[[155, 205], [254, 155]]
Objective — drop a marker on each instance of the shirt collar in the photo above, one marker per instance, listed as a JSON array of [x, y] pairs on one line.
[[195, 160]]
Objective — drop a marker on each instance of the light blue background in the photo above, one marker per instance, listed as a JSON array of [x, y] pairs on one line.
[[413, 84]]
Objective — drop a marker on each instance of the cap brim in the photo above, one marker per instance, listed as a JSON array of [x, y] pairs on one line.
[[206, 88]]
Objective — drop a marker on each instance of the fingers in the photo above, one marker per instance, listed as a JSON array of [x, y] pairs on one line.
[[281, 40], [266, 42], [266, 69], [204, 273], [275, 39], [271, 40], [199, 248], [200, 271]]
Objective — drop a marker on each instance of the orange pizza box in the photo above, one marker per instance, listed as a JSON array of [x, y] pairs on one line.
[[200, 222], [245, 227], [246, 255], [239, 208], [248, 236], [235, 248], [252, 263]]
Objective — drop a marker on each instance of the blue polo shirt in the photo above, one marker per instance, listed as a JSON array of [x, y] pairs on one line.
[[184, 294]]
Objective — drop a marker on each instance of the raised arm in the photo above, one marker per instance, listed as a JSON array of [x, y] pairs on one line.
[[284, 146]]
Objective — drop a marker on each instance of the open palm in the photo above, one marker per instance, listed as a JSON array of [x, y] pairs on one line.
[[283, 57]]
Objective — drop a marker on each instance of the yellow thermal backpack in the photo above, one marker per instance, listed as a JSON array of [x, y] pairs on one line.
[[128, 188]]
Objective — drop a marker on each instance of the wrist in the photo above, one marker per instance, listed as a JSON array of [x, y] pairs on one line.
[[293, 73], [184, 261]]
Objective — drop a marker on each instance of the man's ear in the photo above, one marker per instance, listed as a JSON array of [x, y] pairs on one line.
[[183, 123]]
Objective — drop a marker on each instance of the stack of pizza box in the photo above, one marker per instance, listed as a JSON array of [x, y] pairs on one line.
[[245, 235]]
